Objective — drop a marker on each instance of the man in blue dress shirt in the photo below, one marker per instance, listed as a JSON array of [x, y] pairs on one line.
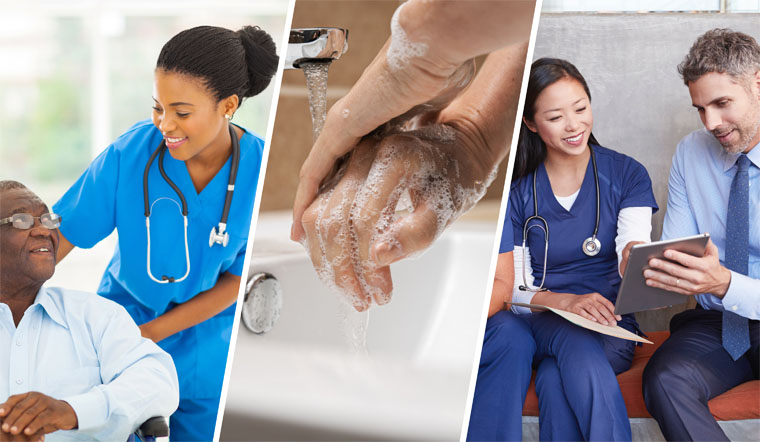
[[68, 360], [713, 188]]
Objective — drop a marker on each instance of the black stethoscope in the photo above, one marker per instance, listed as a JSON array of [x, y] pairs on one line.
[[591, 246], [218, 234]]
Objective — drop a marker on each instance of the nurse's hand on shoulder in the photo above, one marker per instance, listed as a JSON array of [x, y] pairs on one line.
[[690, 275], [353, 232], [29, 415]]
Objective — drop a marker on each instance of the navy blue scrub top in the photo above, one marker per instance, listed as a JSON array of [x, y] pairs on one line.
[[109, 195], [623, 182], [507, 234]]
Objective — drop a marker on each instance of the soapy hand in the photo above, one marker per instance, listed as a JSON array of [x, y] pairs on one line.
[[426, 57], [353, 230]]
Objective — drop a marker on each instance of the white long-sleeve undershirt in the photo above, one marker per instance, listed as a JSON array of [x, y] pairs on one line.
[[634, 224]]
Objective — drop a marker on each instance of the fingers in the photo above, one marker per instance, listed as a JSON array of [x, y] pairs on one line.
[[305, 194], [626, 253], [24, 411], [411, 234], [607, 310], [668, 282], [673, 268], [597, 308], [10, 403], [669, 273], [373, 212], [318, 164], [684, 259], [41, 424], [331, 238]]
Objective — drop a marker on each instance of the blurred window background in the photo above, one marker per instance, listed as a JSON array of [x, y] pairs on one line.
[[74, 75]]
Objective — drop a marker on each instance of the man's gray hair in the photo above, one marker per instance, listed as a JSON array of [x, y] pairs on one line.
[[722, 51], [11, 185]]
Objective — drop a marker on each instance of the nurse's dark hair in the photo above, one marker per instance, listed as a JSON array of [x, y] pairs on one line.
[[228, 62], [531, 150]]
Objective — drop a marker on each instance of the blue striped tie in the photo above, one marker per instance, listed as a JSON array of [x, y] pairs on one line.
[[735, 327]]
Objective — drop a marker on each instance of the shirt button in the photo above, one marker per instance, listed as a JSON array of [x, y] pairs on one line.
[[734, 308], [19, 381], [18, 342]]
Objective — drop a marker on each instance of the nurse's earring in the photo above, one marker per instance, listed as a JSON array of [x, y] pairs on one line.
[[227, 116]]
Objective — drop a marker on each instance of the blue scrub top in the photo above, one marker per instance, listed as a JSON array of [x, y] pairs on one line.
[[623, 182], [109, 195], [507, 234]]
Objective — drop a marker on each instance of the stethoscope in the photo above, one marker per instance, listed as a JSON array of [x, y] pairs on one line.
[[218, 234], [591, 245]]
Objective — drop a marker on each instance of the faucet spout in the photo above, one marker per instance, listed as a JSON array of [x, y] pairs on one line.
[[315, 45]]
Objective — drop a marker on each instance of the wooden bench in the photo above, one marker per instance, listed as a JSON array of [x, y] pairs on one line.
[[741, 402]]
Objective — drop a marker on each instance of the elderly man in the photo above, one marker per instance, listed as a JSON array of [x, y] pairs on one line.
[[68, 360], [713, 188]]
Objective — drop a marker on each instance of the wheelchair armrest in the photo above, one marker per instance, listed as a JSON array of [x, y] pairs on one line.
[[156, 426]]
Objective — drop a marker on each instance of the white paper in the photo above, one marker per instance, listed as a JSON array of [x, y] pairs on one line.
[[616, 331]]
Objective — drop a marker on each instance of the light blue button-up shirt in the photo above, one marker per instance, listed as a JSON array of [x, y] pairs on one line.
[[698, 190], [87, 351]]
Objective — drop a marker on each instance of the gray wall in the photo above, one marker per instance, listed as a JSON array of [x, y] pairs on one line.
[[641, 106]]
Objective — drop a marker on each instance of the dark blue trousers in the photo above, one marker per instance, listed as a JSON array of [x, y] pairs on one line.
[[691, 368], [579, 397]]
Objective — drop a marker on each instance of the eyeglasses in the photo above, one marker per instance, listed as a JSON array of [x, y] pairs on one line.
[[24, 221]]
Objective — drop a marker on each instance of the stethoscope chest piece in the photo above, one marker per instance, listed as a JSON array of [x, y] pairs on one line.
[[591, 246]]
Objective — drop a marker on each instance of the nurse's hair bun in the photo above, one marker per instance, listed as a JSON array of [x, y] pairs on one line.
[[228, 63], [261, 58]]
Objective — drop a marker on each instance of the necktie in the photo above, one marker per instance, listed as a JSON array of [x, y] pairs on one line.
[[735, 327]]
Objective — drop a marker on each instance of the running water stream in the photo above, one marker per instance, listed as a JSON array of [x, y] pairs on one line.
[[353, 324]]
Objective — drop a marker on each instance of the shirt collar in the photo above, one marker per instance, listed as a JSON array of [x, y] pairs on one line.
[[46, 301], [730, 159]]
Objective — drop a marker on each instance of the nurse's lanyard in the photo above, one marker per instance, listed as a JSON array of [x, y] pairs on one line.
[[218, 234], [591, 245]]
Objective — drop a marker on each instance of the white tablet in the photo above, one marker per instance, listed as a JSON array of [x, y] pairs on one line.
[[635, 295]]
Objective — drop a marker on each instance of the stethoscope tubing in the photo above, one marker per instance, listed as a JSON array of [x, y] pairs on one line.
[[545, 227], [218, 236]]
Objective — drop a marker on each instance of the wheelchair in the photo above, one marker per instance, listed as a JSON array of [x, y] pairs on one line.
[[153, 430]]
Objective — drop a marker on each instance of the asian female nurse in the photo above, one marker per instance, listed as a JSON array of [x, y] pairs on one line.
[[583, 191], [183, 298]]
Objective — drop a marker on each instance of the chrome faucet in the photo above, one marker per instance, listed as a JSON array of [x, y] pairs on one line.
[[315, 45]]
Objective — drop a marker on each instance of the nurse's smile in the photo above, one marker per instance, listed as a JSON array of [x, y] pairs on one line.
[[576, 140], [173, 143], [191, 120]]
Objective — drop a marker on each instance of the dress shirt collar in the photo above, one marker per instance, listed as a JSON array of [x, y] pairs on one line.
[[730, 159], [50, 306]]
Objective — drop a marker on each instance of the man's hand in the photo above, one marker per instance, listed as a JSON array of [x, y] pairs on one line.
[[29, 415], [689, 275], [8, 437]]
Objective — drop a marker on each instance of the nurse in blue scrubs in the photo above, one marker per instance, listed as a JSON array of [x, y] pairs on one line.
[[179, 286], [558, 165]]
